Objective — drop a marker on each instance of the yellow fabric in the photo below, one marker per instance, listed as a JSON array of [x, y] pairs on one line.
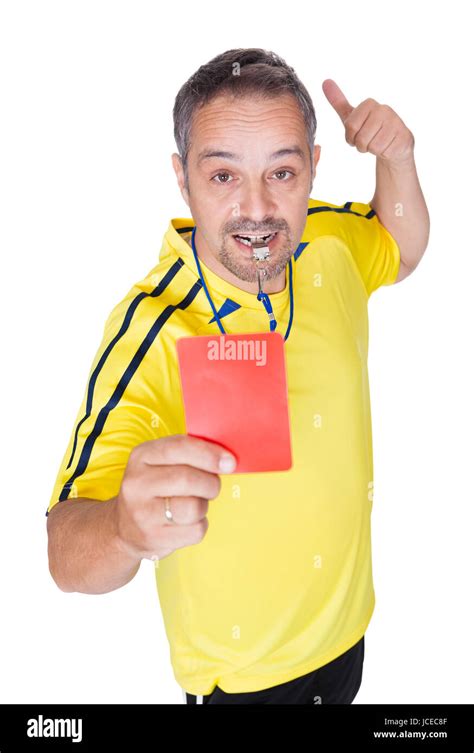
[[282, 581]]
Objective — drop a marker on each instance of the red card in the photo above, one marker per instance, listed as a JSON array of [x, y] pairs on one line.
[[235, 393]]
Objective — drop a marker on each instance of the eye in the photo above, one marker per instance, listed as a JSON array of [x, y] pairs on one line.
[[279, 172], [218, 175]]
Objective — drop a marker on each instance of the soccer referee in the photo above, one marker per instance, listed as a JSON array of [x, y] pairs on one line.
[[264, 580]]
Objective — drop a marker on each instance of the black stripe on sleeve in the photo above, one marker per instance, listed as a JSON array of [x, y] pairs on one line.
[[122, 385], [162, 285]]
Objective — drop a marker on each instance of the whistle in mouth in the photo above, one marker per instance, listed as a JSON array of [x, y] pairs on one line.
[[260, 250]]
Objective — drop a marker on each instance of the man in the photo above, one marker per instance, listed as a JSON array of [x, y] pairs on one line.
[[266, 592]]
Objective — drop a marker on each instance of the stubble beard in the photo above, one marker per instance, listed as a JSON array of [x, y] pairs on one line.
[[246, 269]]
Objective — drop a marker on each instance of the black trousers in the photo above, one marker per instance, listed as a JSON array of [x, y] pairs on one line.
[[336, 682]]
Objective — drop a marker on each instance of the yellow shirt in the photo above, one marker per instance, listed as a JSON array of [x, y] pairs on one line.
[[282, 581]]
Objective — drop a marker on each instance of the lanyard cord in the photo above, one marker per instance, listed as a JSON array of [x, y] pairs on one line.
[[261, 297]]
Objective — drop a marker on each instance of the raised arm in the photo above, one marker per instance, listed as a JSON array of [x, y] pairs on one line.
[[398, 199]]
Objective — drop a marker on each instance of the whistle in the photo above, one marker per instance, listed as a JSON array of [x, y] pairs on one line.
[[261, 252]]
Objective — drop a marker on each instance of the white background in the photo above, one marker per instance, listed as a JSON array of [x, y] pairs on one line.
[[87, 191]]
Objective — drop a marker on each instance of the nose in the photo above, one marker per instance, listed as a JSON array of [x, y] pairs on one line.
[[256, 202]]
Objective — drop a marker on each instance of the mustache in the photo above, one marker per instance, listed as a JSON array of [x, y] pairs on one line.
[[242, 230]]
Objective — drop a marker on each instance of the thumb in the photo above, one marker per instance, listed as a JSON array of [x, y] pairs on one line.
[[337, 99]]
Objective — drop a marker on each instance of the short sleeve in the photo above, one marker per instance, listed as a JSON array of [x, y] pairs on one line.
[[119, 408], [375, 251]]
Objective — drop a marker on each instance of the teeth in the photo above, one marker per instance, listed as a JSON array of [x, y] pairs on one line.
[[255, 238]]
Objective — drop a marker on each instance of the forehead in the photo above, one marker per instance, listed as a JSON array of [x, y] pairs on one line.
[[229, 120]]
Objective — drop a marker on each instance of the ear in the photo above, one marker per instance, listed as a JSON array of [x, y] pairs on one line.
[[316, 156], [178, 168]]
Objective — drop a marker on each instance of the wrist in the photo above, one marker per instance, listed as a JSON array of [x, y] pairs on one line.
[[126, 550], [398, 166]]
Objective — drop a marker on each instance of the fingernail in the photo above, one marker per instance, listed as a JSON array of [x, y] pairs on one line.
[[227, 463]]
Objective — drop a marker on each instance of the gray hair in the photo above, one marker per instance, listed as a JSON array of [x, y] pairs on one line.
[[239, 72]]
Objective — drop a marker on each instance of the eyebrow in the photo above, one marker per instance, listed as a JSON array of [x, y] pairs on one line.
[[210, 153]]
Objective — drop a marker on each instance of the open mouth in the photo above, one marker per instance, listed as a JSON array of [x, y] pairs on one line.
[[249, 240]]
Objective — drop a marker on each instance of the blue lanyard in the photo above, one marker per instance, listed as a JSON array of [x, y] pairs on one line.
[[261, 296]]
